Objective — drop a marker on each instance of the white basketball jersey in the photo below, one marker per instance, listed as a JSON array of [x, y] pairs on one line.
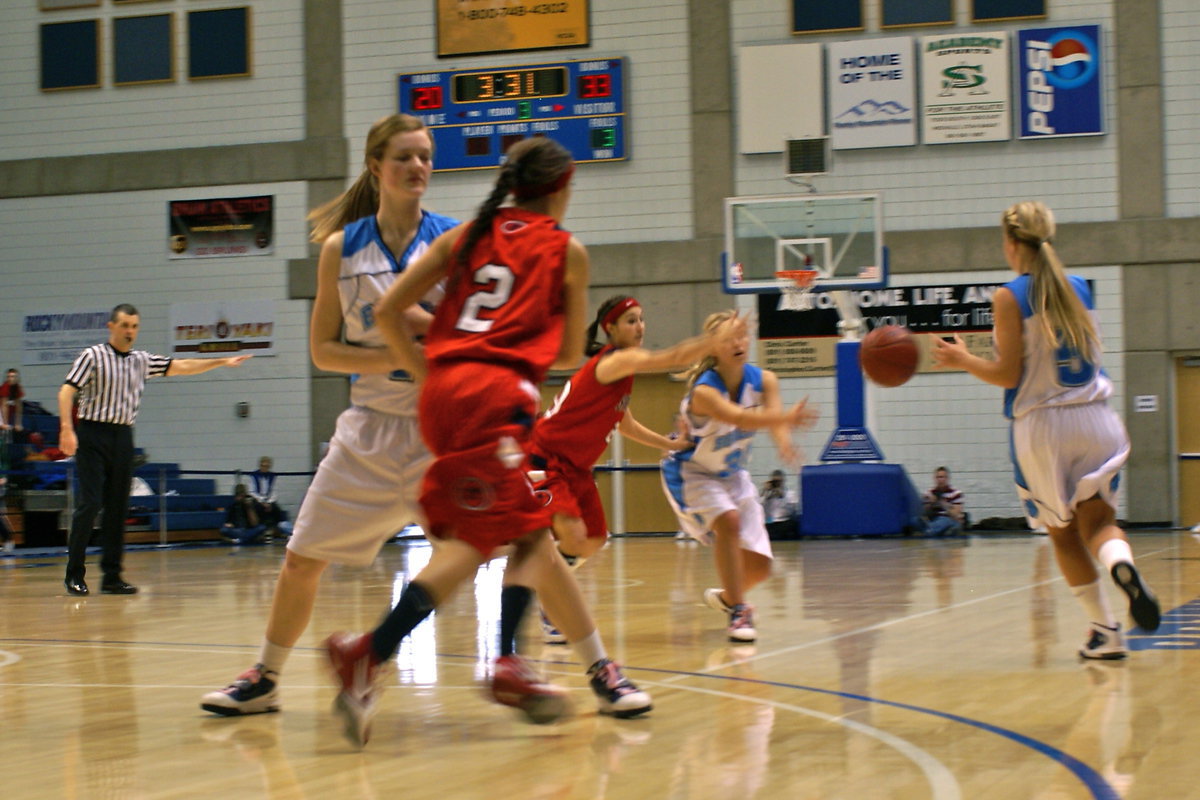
[[718, 447], [1053, 375], [368, 270]]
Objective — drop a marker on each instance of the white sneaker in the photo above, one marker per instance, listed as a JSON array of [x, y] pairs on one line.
[[551, 634], [712, 599], [616, 694], [1104, 643]]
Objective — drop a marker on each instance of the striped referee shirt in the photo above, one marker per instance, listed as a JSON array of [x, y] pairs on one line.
[[110, 382]]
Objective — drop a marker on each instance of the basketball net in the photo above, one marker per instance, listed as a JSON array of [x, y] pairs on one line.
[[797, 291]]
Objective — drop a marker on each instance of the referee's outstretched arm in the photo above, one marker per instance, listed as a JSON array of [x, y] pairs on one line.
[[194, 366]]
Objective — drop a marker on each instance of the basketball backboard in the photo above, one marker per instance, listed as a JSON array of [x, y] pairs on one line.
[[840, 236]]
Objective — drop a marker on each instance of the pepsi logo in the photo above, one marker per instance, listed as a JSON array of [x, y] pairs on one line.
[[1073, 59]]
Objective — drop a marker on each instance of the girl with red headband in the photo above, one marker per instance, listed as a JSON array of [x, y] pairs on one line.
[[573, 433], [514, 305]]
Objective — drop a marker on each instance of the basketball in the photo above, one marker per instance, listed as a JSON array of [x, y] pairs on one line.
[[888, 355]]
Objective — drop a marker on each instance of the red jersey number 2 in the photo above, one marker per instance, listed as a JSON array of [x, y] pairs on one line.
[[469, 319]]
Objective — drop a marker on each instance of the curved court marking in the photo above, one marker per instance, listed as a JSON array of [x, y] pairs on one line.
[[1090, 778], [8, 657], [933, 769]]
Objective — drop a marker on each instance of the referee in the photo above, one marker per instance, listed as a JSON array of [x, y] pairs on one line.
[[108, 379]]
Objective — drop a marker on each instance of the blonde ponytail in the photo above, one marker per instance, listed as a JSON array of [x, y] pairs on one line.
[[1064, 317]]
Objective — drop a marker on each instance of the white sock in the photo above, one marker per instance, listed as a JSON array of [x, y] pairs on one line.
[[590, 649], [1114, 551], [1095, 603], [273, 656]]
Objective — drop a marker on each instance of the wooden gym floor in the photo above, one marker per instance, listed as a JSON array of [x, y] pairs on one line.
[[889, 668]]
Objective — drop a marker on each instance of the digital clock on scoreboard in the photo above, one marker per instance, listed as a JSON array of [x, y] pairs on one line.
[[476, 114]]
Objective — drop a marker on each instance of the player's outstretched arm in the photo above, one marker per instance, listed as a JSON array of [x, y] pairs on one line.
[[633, 360], [630, 428], [708, 402]]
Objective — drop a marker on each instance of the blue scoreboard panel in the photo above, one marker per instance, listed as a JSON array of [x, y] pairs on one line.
[[476, 114]]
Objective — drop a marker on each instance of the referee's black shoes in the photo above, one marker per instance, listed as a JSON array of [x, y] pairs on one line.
[[76, 586], [117, 587]]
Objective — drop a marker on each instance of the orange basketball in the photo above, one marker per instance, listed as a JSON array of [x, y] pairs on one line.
[[889, 355]]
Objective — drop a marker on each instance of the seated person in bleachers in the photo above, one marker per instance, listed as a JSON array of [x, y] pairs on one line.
[[262, 489], [242, 523], [779, 507], [944, 515]]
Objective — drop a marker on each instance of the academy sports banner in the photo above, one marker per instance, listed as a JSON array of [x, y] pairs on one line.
[[872, 93], [222, 328], [221, 227], [964, 88], [1059, 71]]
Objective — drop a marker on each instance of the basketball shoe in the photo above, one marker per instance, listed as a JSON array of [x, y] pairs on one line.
[[357, 672], [713, 599], [616, 693], [514, 683], [252, 693], [1104, 643], [551, 634], [741, 623], [1143, 605]]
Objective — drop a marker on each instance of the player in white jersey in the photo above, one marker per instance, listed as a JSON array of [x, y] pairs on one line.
[[1068, 445], [366, 487], [707, 483]]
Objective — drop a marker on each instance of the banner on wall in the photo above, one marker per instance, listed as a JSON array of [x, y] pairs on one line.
[[221, 227], [802, 344], [1059, 71], [475, 27], [56, 337], [872, 93], [222, 328], [965, 88]]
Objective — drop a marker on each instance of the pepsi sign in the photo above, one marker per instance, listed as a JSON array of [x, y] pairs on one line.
[[1060, 90]]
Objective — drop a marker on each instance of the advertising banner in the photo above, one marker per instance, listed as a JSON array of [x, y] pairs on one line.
[[803, 343], [872, 93], [222, 328], [221, 227], [56, 337], [1059, 71], [964, 88]]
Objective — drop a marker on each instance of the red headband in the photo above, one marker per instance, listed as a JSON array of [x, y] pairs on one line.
[[526, 192], [616, 311]]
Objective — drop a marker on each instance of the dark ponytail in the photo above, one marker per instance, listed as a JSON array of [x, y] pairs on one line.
[[595, 330], [534, 162]]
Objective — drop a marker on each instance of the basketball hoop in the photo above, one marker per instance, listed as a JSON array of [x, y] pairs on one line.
[[796, 292]]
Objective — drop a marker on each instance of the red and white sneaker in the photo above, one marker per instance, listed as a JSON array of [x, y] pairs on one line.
[[357, 673], [741, 623], [514, 683], [616, 693]]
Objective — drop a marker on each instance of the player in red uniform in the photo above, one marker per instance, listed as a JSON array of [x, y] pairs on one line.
[[514, 307], [571, 435]]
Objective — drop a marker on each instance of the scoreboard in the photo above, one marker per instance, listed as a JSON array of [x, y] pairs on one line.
[[476, 114]]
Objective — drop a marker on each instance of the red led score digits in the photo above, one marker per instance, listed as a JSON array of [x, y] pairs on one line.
[[426, 98], [593, 86]]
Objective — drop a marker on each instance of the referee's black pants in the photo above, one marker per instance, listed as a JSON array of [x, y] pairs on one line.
[[104, 463]]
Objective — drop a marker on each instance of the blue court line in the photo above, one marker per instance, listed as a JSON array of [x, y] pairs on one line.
[[1170, 635], [1099, 788]]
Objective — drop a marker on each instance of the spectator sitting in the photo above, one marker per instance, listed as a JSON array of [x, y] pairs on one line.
[[779, 507], [262, 490], [944, 514], [242, 524]]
